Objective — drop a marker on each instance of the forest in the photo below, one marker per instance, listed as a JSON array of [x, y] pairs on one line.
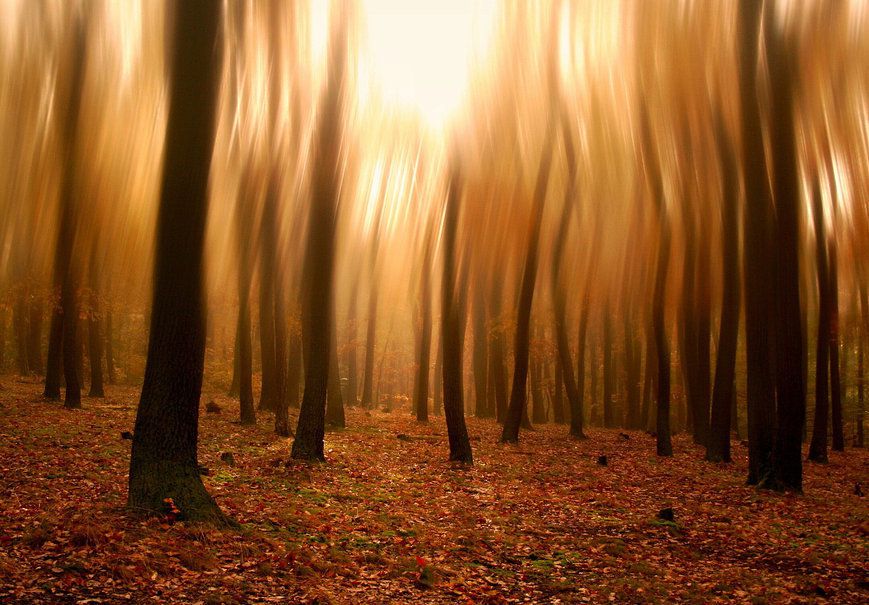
[[434, 301]]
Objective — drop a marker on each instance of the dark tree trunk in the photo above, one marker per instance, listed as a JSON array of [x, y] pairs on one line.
[[451, 331], [235, 384], [320, 254], [163, 462], [818, 447], [659, 328], [723, 393], [787, 471], [518, 394], [420, 389], [758, 251], [66, 267]]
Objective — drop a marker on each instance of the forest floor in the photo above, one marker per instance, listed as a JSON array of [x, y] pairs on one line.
[[388, 520]]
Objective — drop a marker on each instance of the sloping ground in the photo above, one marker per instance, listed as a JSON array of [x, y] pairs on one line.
[[387, 519]]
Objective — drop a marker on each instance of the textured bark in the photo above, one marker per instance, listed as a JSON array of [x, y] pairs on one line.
[[163, 462]]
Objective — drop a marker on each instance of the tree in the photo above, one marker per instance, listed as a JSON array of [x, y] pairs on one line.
[[163, 463], [320, 253], [758, 251], [718, 442], [452, 326]]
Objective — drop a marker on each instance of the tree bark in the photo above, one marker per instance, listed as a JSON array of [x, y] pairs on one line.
[[163, 463]]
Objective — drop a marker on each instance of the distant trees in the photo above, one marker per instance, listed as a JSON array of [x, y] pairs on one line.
[[163, 463]]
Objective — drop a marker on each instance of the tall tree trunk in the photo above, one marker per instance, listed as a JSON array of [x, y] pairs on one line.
[[320, 254], [518, 393], [787, 472], [437, 402], [420, 388], [67, 269], [818, 447], [451, 330], [163, 463], [758, 252], [723, 392]]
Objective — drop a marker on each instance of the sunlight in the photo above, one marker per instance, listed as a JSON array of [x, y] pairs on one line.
[[420, 53]]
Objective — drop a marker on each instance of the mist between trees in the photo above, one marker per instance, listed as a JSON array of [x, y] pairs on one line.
[[638, 215]]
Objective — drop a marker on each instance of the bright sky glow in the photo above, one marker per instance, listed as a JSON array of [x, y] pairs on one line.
[[421, 52]]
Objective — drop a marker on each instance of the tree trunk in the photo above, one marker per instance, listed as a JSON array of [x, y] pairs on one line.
[[723, 392], [247, 413], [334, 401], [110, 345], [320, 254], [758, 252], [163, 463], [518, 393], [818, 447], [451, 331]]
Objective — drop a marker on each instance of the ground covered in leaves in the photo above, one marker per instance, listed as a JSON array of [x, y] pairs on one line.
[[388, 519]]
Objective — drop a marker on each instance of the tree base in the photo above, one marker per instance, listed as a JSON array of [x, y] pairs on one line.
[[152, 483]]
